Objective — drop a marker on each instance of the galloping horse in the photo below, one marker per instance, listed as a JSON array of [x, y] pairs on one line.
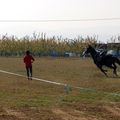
[[103, 59]]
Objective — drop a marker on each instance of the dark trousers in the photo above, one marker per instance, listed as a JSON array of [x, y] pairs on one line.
[[29, 71]]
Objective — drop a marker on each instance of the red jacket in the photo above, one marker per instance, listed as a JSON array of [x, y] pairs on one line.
[[28, 59]]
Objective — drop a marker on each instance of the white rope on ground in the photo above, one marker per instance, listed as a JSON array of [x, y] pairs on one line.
[[42, 80], [61, 84]]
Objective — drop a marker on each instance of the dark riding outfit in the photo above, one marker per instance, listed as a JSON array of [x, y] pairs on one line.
[[28, 60], [100, 55]]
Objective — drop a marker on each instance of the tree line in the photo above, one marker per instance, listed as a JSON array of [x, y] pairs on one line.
[[40, 45]]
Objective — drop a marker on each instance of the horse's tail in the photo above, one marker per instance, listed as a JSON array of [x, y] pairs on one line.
[[117, 60]]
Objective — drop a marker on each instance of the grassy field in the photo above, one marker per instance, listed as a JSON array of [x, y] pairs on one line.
[[21, 99]]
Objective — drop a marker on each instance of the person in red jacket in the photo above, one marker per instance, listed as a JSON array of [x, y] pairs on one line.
[[28, 60]]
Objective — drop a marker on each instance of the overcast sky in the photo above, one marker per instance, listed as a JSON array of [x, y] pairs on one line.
[[61, 9]]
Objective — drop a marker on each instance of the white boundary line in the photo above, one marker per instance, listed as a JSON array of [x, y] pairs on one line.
[[61, 84], [42, 80]]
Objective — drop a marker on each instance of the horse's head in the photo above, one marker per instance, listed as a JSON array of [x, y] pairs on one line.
[[87, 50]]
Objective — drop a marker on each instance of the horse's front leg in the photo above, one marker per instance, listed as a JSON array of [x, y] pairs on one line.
[[104, 71]]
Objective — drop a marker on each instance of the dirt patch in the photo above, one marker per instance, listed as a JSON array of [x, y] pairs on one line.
[[113, 110], [15, 113], [76, 115], [107, 112], [40, 114], [100, 111]]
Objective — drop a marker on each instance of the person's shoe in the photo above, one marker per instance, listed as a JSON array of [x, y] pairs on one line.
[[30, 78]]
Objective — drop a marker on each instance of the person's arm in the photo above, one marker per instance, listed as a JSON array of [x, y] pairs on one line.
[[32, 58], [24, 59]]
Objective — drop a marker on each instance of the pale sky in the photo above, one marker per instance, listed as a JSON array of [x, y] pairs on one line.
[[61, 9]]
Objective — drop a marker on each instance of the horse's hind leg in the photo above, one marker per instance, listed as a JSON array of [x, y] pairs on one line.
[[115, 67]]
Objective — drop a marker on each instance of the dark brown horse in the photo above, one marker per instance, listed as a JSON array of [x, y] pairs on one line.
[[103, 60]]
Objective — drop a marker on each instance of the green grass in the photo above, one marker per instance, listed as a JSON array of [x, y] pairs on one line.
[[19, 92]]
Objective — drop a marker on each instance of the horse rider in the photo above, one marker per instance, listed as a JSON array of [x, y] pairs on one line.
[[100, 55]]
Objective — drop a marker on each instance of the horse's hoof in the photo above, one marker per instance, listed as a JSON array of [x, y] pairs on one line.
[[116, 75], [105, 70], [106, 75]]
